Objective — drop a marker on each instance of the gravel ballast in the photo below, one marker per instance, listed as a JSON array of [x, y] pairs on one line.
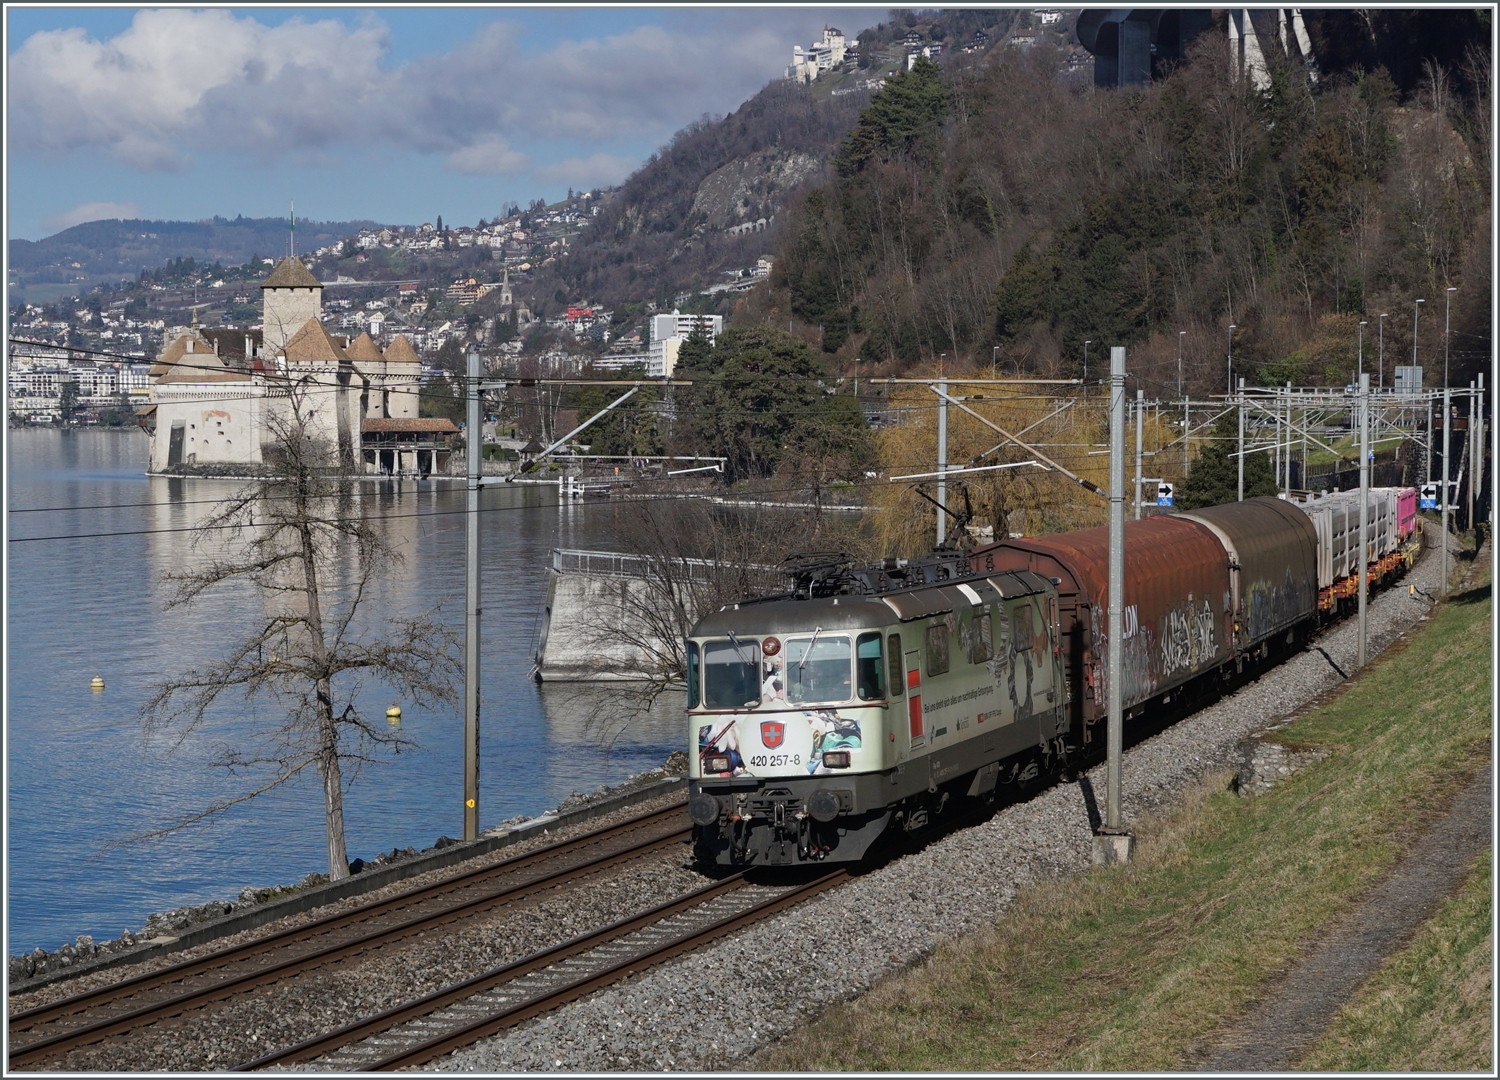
[[716, 1007], [56, 991]]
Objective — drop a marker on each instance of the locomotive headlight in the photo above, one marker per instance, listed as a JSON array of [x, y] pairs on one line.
[[836, 759], [717, 763]]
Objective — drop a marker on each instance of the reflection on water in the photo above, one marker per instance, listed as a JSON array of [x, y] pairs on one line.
[[80, 776]]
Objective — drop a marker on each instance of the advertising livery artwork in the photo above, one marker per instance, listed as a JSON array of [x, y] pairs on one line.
[[786, 739], [830, 731], [719, 740]]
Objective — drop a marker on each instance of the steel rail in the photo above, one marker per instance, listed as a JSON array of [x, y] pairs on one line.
[[274, 970], [188, 968], [525, 1010], [350, 1033]]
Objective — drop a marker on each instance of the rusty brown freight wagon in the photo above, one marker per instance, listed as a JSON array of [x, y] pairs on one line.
[[1178, 621], [1273, 567]]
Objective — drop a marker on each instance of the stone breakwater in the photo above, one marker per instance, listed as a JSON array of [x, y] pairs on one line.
[[167, 925]]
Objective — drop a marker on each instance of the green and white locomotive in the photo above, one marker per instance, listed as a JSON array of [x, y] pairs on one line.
[[865, 700]]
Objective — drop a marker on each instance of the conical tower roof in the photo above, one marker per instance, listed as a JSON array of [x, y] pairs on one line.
[[399, 351], [364, 348], [312, 345]]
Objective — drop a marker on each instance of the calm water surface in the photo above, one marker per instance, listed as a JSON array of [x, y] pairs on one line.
[[81, 777]]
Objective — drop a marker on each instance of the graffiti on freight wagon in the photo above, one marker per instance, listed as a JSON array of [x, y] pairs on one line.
[[1187, 638], [1138, 678]]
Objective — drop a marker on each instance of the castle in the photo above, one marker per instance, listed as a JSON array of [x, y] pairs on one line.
[[213, 392]]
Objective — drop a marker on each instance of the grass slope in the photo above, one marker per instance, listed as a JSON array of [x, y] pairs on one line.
[[1136, 968], [1428, 1009]]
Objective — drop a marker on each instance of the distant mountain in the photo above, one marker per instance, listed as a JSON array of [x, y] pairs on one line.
[[106, 251]]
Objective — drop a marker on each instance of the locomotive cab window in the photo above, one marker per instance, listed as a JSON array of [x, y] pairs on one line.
[[937, 648], [692, 674], [818, 669], [1021, 626], [893, 661], [868, 667], [731, 672], [980, 646]]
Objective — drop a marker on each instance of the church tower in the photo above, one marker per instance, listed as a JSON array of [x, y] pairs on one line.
[[289, 297]]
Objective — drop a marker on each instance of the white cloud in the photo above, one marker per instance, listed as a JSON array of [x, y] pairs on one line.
[[493, 157], [91, 211], [178, 82], [596, 170]]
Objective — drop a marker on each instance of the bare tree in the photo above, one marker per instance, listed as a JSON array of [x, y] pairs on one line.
[[300, 541], [688, 557]]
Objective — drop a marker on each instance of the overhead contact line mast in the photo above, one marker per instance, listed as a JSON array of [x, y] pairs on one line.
[[475, 387]]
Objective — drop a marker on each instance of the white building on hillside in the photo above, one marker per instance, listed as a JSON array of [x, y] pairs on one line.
[[668, 332], [820, 56]]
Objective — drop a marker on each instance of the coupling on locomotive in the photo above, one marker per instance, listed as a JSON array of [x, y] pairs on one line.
[[868, 699]]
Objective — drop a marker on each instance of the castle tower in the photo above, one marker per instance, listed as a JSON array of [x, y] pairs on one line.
[[289, 297], [369, 371], [403, 377]]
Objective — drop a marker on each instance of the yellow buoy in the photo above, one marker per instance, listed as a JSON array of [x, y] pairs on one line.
[[393, 714], [97, 682]]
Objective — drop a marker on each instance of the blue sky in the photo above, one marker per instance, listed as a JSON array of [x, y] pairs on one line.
[[392, 114]]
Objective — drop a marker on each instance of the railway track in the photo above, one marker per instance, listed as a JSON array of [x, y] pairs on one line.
[[49, 1032], [459, 1015]]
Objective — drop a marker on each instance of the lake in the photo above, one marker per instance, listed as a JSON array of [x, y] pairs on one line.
[[81, 777]]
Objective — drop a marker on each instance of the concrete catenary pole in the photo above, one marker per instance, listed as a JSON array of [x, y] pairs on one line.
[[1384, 315], [1431, 444], [1115, 736], [1180, 335], [1364, 512], [1472, 440], [474, 450], [942, 462], [1140, 424], [1476, 449], [1276, 453], [1229, 360], [1241, 456], [1447, 427]]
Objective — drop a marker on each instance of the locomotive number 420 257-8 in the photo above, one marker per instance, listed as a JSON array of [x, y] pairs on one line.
[[773, 760]]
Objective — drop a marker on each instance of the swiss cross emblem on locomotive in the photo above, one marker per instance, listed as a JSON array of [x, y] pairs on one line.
[[771, 733]]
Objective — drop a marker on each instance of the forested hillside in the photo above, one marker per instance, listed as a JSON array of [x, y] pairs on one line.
[[667, 222], [998, 212]]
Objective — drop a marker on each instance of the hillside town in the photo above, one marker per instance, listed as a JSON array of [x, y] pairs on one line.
[[434, 287]]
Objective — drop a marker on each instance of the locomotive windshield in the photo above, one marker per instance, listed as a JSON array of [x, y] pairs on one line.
[[819, 668], [731, 674]]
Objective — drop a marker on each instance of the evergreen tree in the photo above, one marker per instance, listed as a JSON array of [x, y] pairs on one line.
[[1214, 477], [757, 400], [903, 120]]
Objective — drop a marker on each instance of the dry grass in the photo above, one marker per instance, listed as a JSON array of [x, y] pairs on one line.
[[1429, 1008], [1136, 968]]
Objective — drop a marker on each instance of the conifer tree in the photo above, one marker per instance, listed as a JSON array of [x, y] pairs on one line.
[[1214, 477]]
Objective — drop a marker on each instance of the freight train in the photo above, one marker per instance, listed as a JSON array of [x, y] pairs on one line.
[[869, 699]]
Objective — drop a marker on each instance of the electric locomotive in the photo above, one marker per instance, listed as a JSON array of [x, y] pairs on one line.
[[865, 699]]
